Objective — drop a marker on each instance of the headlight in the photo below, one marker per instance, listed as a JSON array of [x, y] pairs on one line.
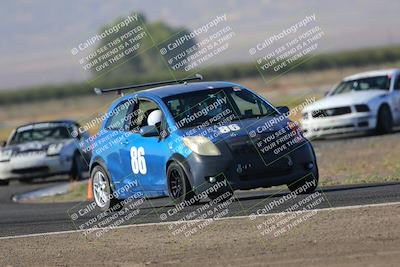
[[201, 145], [5, 155], [54, 149]]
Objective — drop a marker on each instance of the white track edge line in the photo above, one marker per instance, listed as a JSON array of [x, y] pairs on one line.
[[198, 220]]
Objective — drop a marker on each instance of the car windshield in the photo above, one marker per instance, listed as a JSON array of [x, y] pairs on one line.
[[32, 133], [215, 105], [363, 84]]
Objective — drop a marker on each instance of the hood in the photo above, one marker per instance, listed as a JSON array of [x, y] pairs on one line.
[[346, 99]]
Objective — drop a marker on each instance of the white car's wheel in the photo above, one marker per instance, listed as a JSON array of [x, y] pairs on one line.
[[384, 120], [76, 173]]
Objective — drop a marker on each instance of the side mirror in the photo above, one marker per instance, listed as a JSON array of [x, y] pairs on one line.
[[149, 131], [283, 109], [3, 143]]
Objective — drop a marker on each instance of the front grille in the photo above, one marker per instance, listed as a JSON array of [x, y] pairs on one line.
[[29, 153], [266, 175], [251, 164], [240, 149], [280, 167], [334, 127], [330, 112], [362, 108], [242, 145]]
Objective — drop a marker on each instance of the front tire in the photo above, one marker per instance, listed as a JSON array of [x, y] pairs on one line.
[[102, 191], [384, 122], [179, 188]]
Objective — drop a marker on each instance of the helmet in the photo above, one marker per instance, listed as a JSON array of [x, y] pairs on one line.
[[154, 117]]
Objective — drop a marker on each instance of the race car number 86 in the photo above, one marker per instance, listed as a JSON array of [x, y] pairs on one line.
[[138, 162], [229, 128]]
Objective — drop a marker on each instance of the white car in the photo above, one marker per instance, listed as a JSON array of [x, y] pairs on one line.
[[368, 101], [44, 149]]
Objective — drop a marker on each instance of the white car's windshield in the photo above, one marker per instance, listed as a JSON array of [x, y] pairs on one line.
[[363, 84], [42, 134]]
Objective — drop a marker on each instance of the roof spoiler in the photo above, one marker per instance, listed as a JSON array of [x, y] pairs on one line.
[[119, 90]]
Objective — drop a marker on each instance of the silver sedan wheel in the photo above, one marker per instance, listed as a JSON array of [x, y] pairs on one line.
[[101, 190]]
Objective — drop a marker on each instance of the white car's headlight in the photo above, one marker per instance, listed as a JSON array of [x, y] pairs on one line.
[[5, 155], [54, 149], [201, 145]]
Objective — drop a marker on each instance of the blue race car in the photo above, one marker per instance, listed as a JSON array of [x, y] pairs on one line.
[[188, 140]]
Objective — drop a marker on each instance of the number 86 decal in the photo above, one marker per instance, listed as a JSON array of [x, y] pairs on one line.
[[229, 128], [138, 162]]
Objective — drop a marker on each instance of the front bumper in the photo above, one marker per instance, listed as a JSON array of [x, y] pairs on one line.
[[349, 123], [34, 166], [201, 168]]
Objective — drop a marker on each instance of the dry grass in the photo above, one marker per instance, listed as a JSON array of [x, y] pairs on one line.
[[290, 89], [359, 160]]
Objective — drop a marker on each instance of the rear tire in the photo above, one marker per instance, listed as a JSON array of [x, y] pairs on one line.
[[102, 191], [384, 122], [179, 188]]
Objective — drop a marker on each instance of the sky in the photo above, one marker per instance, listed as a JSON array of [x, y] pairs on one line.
[[37, 36]]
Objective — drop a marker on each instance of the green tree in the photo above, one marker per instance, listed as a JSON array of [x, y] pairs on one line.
[[147, 59]]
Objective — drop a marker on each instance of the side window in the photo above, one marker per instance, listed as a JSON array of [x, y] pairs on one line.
[[164, 130], [141, 113], [397, 83], [117, 119], [175, 106]]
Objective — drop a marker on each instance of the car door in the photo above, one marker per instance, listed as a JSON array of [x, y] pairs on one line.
[[145, 156], [113, 142]]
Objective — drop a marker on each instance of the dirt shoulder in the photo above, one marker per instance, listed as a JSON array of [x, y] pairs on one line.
[[352, 237], [365, 159]]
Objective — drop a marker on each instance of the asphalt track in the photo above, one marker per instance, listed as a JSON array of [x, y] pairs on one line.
[[23, 219]]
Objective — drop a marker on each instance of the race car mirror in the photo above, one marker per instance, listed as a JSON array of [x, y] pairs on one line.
[[149, 131], [2, 143]]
